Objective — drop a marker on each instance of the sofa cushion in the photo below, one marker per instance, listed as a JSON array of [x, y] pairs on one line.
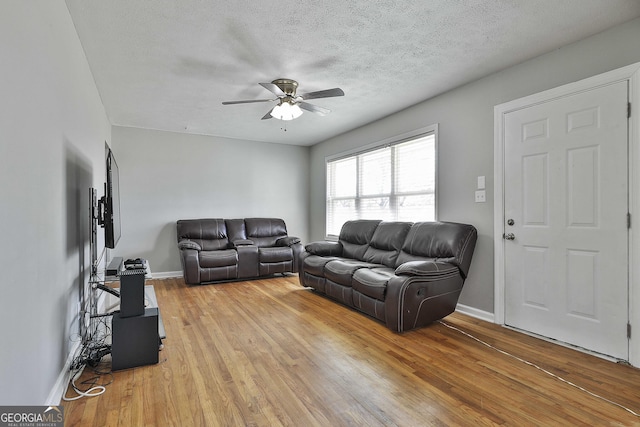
[[372, 282], [265, 231], [209, 234], [443, 241], [236, 229], [314, 264], [355, 237], [220, 258], [324, 248], [428, 269], [275, 254], [386, 243], [341, 271]]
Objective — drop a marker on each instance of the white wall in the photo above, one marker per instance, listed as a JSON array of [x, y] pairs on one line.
[[465, 118], [167, 176], [52, 133]]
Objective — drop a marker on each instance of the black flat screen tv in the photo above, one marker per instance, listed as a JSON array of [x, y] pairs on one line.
[[111, 202]]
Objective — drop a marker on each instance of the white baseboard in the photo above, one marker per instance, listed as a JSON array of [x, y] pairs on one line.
[[477, 313], [166, 274], [59, 388]]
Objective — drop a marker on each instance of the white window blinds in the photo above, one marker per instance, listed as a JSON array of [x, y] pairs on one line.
[[395, 182]]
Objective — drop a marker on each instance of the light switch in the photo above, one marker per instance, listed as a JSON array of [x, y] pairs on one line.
[[481, 196], [481, 183]]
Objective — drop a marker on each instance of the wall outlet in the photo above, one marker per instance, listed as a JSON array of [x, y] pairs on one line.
[[481, 196]]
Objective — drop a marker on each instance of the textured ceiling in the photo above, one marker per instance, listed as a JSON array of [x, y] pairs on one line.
[[168, 65]]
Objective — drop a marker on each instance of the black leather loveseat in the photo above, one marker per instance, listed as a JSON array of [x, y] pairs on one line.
[[404, 274], [229, 249]]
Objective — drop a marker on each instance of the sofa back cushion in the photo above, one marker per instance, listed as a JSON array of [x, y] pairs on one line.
[[236, 229], [386, 243], [265, 231], [210, 234], [444, 241], [355, 237]]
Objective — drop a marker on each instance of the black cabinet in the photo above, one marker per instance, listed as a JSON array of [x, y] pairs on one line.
[[135, 340]]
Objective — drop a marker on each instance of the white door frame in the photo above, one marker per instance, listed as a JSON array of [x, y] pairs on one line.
[[630, 73]]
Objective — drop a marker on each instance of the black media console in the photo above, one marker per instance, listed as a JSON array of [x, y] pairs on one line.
[[136, 329]]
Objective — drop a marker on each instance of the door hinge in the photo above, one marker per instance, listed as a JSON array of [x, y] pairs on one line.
[[629, 330], [628, 220], [628, 110]]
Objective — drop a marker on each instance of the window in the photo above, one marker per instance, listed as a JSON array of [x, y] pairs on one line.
[[392, 181]]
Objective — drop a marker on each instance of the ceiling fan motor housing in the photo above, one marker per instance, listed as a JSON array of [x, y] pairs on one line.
[[288, 86]]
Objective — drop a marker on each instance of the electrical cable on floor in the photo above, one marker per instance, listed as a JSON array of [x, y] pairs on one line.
[[551, 374], [93, 391], [90, 354]]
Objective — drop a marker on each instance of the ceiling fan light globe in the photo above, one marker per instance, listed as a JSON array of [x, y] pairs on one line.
[[286, 111]]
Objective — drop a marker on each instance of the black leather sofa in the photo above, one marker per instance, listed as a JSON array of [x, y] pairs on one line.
[[229, 249], [404, 274]]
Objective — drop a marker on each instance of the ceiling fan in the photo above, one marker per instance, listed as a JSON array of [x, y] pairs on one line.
[[290, 104]]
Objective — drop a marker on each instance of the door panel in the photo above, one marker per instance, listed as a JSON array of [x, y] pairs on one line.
[[566, 190]]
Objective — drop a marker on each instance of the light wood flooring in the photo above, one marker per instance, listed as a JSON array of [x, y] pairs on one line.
[[270, 352]]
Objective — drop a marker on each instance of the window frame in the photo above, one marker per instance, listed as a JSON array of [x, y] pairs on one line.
[[387, 142]]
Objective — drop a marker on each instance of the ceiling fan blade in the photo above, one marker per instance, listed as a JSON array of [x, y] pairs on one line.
[[247, 102], [273, 88], [268, 115], [314, 108], [328, 93]]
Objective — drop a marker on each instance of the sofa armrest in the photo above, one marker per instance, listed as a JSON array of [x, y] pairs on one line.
[[190, 266], [421, 292], [427, 268], [324, 248], [241, 242], [189, 244], [287, 241]]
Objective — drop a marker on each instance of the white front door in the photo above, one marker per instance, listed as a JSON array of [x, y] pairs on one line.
[[566, 205]]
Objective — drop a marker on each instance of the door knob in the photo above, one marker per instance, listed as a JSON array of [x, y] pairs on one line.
[[509, 236]]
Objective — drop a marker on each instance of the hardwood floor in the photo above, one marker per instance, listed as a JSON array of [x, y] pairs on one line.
[[269, 352]]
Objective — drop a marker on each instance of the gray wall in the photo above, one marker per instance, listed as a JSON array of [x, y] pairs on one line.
[[166, 176], [52, 133], [465, 118]]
